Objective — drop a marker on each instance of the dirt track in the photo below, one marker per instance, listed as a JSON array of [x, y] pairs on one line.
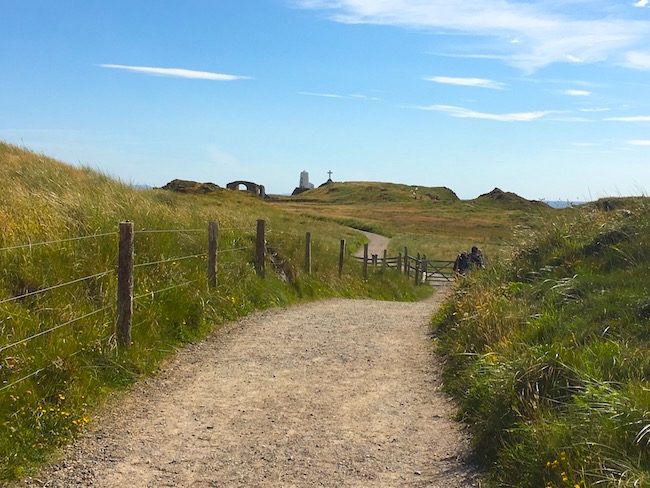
[[376, 244], [333, 393]]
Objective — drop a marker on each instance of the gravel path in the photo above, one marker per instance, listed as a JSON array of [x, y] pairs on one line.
[[333, 393], [376, 244]]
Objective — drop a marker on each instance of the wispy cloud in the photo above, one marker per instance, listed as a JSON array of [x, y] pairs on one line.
[[637, 60], [354, 96], [641, 3], [639, 142], [464, 113], [548, 32], [577, 93], [471, 82], [499, 57], [590, 110], [630, 118], [323, 95], [177, 72]]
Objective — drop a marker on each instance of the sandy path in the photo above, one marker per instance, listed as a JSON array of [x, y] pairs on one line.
[[376, 244], [333, 393]]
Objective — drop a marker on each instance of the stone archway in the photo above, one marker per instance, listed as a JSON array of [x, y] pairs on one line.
[[250, 187]]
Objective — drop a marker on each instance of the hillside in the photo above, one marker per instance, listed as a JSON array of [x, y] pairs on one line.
[[58, 249], [352, 192], [548, 353], [431, 220], [507, 198]]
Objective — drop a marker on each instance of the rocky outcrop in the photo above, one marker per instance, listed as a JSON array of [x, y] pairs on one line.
[[187, 186]]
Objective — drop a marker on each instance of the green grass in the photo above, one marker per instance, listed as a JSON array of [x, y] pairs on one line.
[[363, 191], [549, 354], [432, 221], [79, 364]]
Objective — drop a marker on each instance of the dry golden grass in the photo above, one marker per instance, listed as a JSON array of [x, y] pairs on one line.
[[439, 228]]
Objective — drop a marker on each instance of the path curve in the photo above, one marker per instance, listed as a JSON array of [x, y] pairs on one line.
[[333, 393], [376, 244]]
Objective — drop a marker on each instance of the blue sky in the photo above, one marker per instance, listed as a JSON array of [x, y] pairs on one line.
[[550, 99]]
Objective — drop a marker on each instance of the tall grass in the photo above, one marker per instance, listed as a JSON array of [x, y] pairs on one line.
[[51, 383], [549, 354]]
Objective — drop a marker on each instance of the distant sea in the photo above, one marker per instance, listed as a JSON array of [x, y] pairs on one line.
[[562, 203]]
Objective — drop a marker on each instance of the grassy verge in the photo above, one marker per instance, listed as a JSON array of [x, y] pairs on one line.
[[51, 383], [548, 354]]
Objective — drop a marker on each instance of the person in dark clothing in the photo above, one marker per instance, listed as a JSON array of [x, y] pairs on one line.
[[462, 263], [476, 258]]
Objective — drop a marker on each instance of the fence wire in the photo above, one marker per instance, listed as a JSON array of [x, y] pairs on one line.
[[156, 292], [169, 231], [59, 241], [38, 371], [170, 260], [236, 249], [56, 327], [54, 287]]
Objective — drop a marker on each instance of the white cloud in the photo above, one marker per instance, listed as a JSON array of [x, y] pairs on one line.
[[589, 110], [177, 72], [549, 32], [639, 142], [360, 96], [498, 57], [324, 95], [631, 118], [464, 113], [472, 82], [637, 60], [641, 3], [577, 93], [354, 96]]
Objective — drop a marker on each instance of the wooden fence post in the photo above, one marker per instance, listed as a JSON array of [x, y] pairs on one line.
[[124, 285], [417, 270], [399, 262], [406, 262], [213, 246], [365, 261], [385, 259], [374, 260], [341, 256], [308, 253], [260, 249]]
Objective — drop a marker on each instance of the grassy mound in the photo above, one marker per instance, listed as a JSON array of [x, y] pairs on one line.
[[549, 355], [367, 192], [58, 357], [507, 199]]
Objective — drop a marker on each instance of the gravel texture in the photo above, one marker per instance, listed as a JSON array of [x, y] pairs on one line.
[[333, 393]]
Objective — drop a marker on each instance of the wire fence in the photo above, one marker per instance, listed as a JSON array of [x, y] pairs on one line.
[[153, 293], [170, 260], [31, 245], [169, 231], [49, 365], [55, 287], [56, 327], [126, 277], [20, 298]]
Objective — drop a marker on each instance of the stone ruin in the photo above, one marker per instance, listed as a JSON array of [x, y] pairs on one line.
[[250, 187]]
